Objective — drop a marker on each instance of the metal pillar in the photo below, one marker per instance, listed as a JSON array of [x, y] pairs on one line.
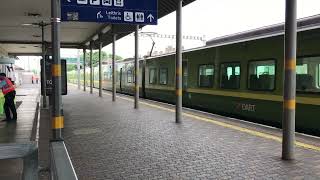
[[113, 68], [43, 70], [84, 69], [57, 112], [78, 69], [136, 69], [100, 70], [178, 62], [289, 94], [91, 70]]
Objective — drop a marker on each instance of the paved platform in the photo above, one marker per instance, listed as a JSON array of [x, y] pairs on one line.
[[23, 130], [111, 140], [27, 98]]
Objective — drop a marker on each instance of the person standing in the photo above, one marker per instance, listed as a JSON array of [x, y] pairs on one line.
[[33, 78], [9, 93]]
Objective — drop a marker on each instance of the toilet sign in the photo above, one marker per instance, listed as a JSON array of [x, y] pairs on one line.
[[144, 12]]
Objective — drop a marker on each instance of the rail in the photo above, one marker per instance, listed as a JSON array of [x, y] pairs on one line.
[[28, 152], [61, 165]]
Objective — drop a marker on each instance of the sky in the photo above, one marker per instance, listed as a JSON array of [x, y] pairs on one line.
[[210, 19]]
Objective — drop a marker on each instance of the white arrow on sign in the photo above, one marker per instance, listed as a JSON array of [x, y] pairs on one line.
[[99, 15], [69, 1], [150, 17]]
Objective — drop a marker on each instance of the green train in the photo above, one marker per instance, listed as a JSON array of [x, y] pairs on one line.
[[237, 76]]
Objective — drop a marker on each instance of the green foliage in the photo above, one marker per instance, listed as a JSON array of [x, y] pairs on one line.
[[34, 71], [95, 57], [117, 57], [71, 67]]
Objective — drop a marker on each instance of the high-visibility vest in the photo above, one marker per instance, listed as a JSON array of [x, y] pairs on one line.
[[8, 87]]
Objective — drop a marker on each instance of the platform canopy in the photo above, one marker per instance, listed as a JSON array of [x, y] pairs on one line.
[[20, 36]]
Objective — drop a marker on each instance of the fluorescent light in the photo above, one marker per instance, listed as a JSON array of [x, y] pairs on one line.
[[27, 24], [106, 29], [95, 37]]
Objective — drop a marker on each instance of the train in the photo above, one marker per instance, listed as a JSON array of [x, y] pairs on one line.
[[238, 76]]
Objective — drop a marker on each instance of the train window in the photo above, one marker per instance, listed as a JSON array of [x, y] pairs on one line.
[[163, 78], [261, 75], [308, 74], [129, 76], [206, 74], [153, 76], [230, 76], [302, 69]]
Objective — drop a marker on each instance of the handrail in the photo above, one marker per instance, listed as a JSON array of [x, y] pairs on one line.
[[61, 165]]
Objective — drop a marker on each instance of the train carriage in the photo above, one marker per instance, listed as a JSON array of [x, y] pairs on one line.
[[239, 76]]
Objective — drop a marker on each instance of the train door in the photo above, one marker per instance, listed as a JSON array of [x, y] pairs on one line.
[[185, 74], [120, 77], [143, 80]]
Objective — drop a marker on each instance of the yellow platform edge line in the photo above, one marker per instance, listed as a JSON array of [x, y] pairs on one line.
[[230, 126]]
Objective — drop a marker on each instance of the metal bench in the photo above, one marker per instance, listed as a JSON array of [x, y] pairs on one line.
[[26, 151], [61, 165]]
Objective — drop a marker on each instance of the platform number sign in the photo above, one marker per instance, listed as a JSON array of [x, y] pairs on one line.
[[111, 11], [49, 82]]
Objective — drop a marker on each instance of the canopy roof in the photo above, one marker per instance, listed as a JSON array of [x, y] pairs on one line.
[[17, 38], [312, 22]]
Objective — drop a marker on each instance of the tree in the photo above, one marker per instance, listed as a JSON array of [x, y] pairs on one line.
[[71, 67], [95, 57], [117, 57]]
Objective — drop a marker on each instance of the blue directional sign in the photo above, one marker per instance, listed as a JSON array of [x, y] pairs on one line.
[[111, 11]]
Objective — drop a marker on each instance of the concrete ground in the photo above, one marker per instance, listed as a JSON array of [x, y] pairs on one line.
[[111, 140]]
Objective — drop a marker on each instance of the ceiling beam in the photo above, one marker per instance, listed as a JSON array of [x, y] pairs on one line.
[[63, 44], [25, 54], [97, 33]]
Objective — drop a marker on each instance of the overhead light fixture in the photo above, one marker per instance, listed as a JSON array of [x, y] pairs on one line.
[[30, 24], [23, 47], [106, 29], [33, 14], [27, 24], [36, 36], [87, 44], [95, 37], [36, 46]]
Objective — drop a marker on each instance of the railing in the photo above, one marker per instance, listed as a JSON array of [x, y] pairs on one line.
[[61, 165], [28, 152]]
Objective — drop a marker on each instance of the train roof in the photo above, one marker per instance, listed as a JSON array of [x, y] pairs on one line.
[[307, 23], [304, 24]]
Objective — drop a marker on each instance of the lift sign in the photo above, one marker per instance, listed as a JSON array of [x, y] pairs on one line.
[[144, 12]]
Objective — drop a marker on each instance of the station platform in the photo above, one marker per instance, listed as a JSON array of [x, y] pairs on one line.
[[23, 130], [112, 140]]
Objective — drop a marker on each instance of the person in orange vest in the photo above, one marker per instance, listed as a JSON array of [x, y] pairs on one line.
[[9, 93], [33, 78]]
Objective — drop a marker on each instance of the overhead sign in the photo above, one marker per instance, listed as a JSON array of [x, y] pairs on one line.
[[111, 11]]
